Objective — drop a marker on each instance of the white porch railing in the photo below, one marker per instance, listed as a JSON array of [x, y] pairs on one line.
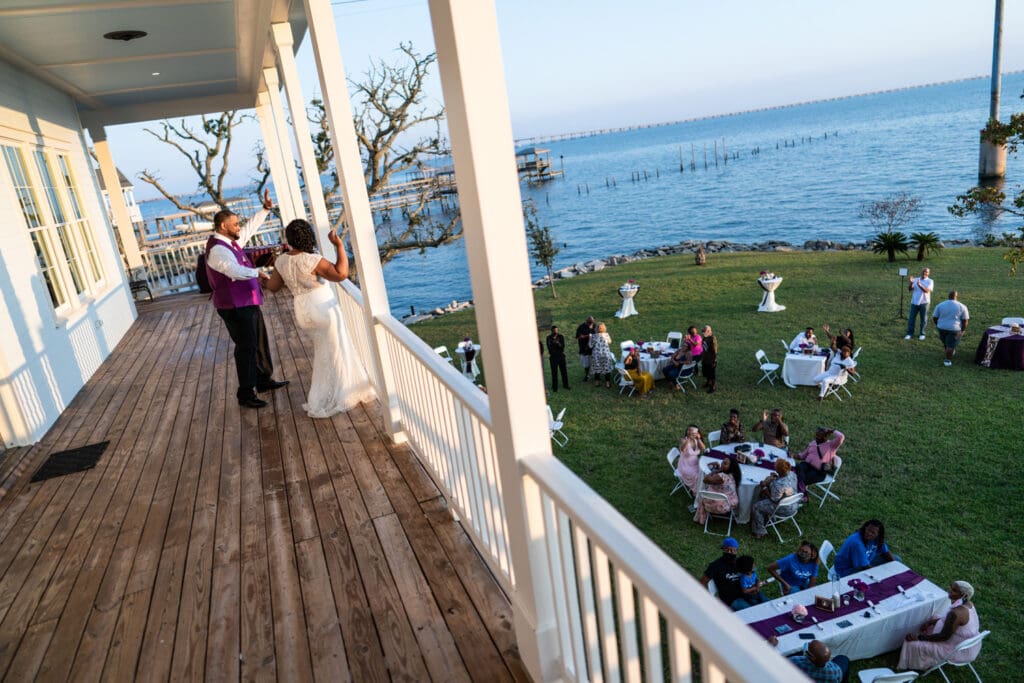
[[623, 609]]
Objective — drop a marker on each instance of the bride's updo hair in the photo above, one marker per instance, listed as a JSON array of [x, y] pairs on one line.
[[299, 234]]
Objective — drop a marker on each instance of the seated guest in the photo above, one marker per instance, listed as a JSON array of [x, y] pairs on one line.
[[838, 341], [774, 431], [725, 479], [819, 664], [726, 576], [773, 489], [806, 338], [797, 571], [732, 431], [679, 360], [688, 465], [938, 637], [749, 583], [864, 548], [815, 462], [840, 366], [644, 380]]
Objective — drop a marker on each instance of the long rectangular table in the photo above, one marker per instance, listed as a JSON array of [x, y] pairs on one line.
[[872, 631]]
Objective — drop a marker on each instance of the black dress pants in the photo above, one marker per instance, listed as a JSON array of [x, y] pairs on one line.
[[558, 364], [252, 349]]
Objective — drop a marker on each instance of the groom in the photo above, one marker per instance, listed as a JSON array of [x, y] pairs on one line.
[[237, 296]]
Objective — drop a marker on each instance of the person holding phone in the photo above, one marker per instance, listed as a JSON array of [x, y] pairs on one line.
[[920, 298]]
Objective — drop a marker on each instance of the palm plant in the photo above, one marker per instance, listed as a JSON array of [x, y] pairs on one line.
[[925, 243], [889, 243]]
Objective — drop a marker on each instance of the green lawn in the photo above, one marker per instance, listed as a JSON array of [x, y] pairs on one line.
[[933, 452]]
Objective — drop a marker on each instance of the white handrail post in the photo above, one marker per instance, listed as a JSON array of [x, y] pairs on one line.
[[338, 107], [272, 149], [473, 83], [291, 176], [122, 219], [300, 126]]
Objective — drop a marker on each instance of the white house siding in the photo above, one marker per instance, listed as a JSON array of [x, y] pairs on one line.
[[46, 353]]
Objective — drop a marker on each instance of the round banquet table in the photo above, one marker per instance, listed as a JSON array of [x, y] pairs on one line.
[[751, 476], [653, 364], [1007, 352], [799, 369]]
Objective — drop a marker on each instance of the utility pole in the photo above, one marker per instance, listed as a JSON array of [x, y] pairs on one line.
[[992, 158]]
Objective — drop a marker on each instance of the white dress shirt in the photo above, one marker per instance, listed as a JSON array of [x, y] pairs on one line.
[[223, 260]]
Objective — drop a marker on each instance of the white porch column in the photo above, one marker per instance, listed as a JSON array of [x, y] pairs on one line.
[[272, 148], [473, 82], [362, 233], [122, 219], [291, 175], [300, 125]]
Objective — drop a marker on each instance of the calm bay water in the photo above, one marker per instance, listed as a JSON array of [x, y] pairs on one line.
[[922, 141]]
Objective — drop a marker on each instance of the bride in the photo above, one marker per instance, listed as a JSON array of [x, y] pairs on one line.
[[339, 381]]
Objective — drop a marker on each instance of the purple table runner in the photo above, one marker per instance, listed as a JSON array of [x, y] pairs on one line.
[[763, 462], [876, 592]]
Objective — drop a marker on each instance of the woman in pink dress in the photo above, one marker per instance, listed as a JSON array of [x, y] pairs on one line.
[[724, 478], [688, 465], [939, 636]]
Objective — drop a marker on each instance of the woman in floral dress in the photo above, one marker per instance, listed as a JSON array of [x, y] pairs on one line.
[[725, 479], [601, 358]]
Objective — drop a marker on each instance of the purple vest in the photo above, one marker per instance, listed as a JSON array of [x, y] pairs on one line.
[[228, 293]]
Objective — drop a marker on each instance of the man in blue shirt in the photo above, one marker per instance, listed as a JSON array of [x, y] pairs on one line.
[[864, 548], [819, 664]]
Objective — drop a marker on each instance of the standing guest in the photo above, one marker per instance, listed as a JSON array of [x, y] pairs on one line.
[[693, 343], [774, 431], [726, 575], [920, 297], [939, 636], [709, 359], [644, 380], [724, 479], [838, 341], [583, 333], [950, 319], [843, 364], [688, 465], [817, 461], [732, 431], [601, 358], [776, 487], [749, 583], [556, 358], [797, 571], [819, 664], [805, 338], [863, 549], [237, 296]]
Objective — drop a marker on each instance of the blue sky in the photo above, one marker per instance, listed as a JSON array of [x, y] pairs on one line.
[[583, 64]]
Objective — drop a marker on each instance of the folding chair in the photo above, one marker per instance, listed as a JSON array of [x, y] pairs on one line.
[[824, 553], [675, 339], [854, 357], [686, 375], [778, 518], [624, 347], [886, 675], [785, 346], [714, 495], [836, 384], [714, 438], [673, 457], [443, 352], [1013, 321], [555, 425], [823, 489], [769, 369], [625, 380], [965, 645]]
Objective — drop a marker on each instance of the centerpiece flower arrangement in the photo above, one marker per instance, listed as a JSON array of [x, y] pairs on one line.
[[630, 286], [799, 613], [766, 275]]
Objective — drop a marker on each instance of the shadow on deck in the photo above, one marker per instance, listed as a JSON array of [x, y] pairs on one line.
[[215, 543]]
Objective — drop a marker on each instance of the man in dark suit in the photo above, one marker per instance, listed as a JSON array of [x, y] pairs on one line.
[[556, 358]]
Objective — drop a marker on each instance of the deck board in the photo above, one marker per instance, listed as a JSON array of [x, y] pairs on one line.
[[219, 543]]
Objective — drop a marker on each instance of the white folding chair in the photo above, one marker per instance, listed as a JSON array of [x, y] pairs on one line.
[[769, 369], [836, 384], [1013, 321], [965, 645], [712, 588], [673, 457], [714, 495], [625, 380], [714, 438], [625, 346], [824, 553], [785, 346], [854, 357], [778, 518], [686, 375], [886, 675], [823, 489], [443, 352], [555, 425], [677, 336]]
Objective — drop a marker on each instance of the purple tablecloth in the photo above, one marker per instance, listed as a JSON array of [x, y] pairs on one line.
[[1008, 354], [258, 256]]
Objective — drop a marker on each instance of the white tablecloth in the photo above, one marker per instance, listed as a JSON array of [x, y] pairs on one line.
[[799, 369], [473, 370], [869, 636], [653, 364], [751, 477]]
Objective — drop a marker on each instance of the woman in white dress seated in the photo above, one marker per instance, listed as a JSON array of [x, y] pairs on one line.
[[339, 381], [843, 364]]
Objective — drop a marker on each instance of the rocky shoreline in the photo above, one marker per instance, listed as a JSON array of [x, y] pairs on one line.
[[686, 247]]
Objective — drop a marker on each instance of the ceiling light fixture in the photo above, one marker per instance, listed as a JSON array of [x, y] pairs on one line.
[[156, 73], [125, 35]]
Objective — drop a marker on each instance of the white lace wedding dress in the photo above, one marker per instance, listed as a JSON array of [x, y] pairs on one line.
[[339, 381]]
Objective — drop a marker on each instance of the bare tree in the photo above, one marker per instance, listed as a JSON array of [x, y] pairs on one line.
[[207, 151], [892, 212]]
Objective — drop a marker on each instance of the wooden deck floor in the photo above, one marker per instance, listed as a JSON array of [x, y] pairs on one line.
[[219, 544]]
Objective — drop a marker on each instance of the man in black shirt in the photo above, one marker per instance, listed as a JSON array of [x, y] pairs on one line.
[[556, 358], [583, 333], [726, 576]]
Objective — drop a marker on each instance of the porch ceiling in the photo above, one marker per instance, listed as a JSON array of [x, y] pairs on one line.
[[198, 56]]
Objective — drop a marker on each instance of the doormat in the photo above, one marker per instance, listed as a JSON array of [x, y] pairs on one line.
[[71, 461]]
